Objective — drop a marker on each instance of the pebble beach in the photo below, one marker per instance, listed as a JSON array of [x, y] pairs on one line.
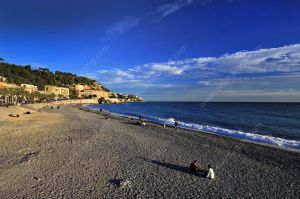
[[74, 153]]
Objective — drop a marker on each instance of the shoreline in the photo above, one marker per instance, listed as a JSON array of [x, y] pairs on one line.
[[277, 146], [73, 153]]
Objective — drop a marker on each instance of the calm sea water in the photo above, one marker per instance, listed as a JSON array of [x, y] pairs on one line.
[[271, 123]]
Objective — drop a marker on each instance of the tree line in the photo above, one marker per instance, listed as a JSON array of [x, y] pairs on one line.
[[12, 96], [17, 74]]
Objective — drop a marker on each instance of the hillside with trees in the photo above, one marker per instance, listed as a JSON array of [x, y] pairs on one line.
[[40, 77]]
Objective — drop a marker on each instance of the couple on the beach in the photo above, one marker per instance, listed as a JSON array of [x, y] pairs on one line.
[[141, 121], [195, 168]]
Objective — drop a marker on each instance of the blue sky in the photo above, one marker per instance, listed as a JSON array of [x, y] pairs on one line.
[[171, 50]]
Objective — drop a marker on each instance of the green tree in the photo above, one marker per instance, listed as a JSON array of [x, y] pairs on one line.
[[73, 94], [40, 77], [51, 96], [101, 100]]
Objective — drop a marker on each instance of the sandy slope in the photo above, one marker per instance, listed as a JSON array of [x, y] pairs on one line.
[[70, 153]]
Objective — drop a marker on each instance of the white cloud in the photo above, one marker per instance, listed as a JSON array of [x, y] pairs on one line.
[[206, 83], [259, 96], [124, 25], [89, 75], [264, 69], [140, 84], [103, 71], [274, 61], [130, 22], [282, 60], [284, 82], [114, 76], [121, 73], [167, 9], [161, 68]]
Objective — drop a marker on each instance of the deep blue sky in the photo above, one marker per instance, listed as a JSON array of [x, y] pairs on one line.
[[114, 37]]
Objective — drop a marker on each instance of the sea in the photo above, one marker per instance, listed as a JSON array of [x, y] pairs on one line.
[[275, 124]]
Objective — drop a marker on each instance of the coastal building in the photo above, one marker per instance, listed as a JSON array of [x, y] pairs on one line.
[[29, 88], [93, 93], [6, 97], [3, 79], [139, 98], [7, 85], [113, 95], [4, 84], [82, 87], [113, 100], [85, 91], [58, 91]]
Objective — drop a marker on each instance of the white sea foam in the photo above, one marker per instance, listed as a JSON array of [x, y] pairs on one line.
[[236, 134], [171, 120]]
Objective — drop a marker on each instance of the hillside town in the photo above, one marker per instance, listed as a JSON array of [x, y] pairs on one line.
[[11, 94]]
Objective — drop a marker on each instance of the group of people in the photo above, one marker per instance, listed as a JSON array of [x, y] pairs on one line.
[[58, 107], [195, 168], [106, 116], [12, 115], [141, 121]]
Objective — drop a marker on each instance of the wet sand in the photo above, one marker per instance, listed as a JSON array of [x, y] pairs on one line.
[[72, 153]]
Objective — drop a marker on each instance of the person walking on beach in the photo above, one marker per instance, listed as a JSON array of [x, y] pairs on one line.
[[194, 167], [211, 173], [141, 118], [176, 124]]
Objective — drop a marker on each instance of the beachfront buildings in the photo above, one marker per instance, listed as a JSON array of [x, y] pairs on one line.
[[6, 96], [85, 91], [81, 87], [4, 85], [123, 98], [3, 79], [58, 91], [29, 88], [93, 94], [99, 92]]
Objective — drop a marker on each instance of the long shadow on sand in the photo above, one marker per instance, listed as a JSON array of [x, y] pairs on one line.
[[183, 169], [132, 123]]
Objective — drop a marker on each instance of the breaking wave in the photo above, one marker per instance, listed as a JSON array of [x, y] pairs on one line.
[[247, 136]]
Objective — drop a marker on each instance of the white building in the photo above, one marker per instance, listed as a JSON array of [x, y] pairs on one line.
[[29, 88], [3, 79]]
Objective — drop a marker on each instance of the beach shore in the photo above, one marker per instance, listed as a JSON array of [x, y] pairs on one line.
[[72, 153]]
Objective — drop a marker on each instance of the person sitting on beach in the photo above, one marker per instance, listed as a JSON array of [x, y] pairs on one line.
[[12, 115], [211, 173], [141, 121], [194, 167]]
